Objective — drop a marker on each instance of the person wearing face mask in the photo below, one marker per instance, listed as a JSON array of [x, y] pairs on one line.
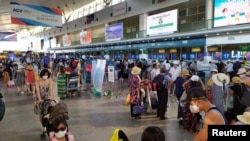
[[242, 73], [44, 88], [60, 131], [196, 97]]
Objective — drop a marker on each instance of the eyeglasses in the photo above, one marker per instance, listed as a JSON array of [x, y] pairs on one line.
[[203, 97], [60, 129]]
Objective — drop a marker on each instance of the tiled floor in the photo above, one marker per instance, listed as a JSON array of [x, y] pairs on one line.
[[90, 118]]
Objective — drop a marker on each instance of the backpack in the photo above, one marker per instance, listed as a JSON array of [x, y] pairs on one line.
[[119, 135], [245, 98], [2, 107], [158, 80]]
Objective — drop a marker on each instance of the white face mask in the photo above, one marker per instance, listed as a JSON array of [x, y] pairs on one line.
[[45, 77], [61, 134], [194, 108], [242, 76]]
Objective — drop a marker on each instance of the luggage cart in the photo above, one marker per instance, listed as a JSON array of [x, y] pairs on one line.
[[72, 85]]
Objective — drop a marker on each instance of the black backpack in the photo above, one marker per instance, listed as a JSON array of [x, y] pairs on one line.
[[158, 80]]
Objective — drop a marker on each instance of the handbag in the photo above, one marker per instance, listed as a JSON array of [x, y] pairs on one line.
[[11, 83], [127, 100], [139, 109]]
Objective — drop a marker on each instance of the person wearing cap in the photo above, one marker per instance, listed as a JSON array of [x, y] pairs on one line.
[[242, 73], [174, 72], [179, 91], [237, 91], [196, 97], [135, 82]]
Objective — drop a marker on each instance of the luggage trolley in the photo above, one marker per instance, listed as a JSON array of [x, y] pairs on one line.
[[72, 84]]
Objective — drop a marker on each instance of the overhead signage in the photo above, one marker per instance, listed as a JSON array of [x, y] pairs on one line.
[[173, 51], [212, 49], [192, 56], [231, 12], [226, 56], [244, 48], [114, 32], [8, 36], [162, 23], [161, 50], [196, 49], [26, 14], [120, 9], [86, 37]]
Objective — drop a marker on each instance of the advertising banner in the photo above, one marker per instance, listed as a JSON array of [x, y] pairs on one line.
[[93, 62], [8, 36], [120, 9], [111, 71], [231, 12], [25, 14], [162, 23], [86, 37], [98, 76], [114, 32], [67, 40]]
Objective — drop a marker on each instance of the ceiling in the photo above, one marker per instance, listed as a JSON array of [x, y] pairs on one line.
[[5, 23]]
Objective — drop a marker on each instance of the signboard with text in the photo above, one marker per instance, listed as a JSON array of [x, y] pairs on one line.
[[162, 23], [26, 14]]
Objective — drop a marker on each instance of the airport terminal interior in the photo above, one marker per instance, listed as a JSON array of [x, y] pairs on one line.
[[98, 40]]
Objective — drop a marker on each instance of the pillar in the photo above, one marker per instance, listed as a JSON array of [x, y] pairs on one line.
[[209, 13], [143, 25]]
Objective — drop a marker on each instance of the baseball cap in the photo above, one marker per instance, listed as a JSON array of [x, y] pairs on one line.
[[195, 93]]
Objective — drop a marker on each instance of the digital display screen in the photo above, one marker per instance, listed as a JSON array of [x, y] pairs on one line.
[[226, 56], [174, 56], [166, 56], [184, 56], [160, 56], [200, 56], [217, 55], [192, 56], [154, 56], [231, 12]]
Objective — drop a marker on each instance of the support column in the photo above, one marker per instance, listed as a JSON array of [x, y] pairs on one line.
[[143, 25], [209, 13]]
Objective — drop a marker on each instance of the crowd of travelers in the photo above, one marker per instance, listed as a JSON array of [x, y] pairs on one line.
[[213, 101]]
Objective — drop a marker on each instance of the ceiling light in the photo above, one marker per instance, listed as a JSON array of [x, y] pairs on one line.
[[172, 38], [217, 34], [187, 37], [165, 39], [240, 31], [206, 35], [228, 33]]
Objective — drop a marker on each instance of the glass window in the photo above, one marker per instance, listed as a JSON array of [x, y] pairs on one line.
[[202, 9], [192, 11], [183, 13], [201, 17], [192, 18]]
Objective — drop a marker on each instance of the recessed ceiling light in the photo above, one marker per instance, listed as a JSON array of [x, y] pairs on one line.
[[228, 33], [217, 34], [240, 31], [172, 38], [187, 37], [206, 35], [165, 39]]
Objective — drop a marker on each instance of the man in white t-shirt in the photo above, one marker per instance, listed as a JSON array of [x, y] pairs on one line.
[[174, 72]]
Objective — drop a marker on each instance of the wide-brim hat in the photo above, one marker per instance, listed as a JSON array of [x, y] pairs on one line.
[[136, 70], [236, 80], [20, 67], [241, 71], [185, 72], [220, 78], [245, 118]]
